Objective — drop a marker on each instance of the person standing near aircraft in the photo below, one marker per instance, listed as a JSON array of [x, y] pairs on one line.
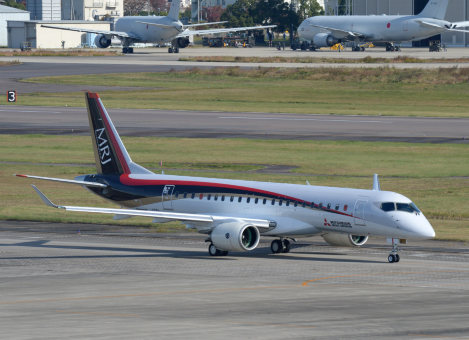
[[326, 31], [234, 214]]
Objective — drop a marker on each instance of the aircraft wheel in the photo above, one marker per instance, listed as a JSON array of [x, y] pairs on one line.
[[397, 258], [170, 50], [176, 50], [391, 258], [276, 246], [362, 49], [130, 50], [286, 246], [212, 250], [124, 50]]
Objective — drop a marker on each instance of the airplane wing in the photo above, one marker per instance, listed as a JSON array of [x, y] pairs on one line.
[[452, 28], [63, 180], [460, 24], [160, 215], [188, 33], [341, 34], [86, 30]]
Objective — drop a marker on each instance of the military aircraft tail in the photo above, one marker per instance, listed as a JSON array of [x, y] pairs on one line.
[[435, 9], [174, 9], [110, 154]]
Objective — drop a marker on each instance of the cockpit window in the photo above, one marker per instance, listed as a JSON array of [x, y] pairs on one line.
[[408, 207], [388, 206]]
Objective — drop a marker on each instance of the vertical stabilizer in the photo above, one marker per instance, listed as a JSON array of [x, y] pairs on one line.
[[435, 9], [174, 10], [110, 154]]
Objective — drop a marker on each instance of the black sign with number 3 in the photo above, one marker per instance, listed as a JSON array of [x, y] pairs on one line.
[[11, 96]]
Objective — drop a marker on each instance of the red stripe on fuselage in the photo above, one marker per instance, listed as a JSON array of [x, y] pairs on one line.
[[126, 180]]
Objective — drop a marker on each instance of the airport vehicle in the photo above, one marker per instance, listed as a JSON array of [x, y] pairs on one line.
[[154, 29], [326, 31], [235, 213]]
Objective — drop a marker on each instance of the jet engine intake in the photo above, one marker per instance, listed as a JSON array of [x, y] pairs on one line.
[[344, 240], [182, 42], [235, 236], [102, 41], [324, 40]]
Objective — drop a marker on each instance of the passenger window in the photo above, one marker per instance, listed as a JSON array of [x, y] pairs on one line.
[[337, 207], [248, 199], [264, 201], [209, 197], [328, 206], [185, 195], [280, 203], [256, 200], [177, 195], [288, 203], [231, 198], [304, 204], [223, 198], [273, 202], [193, 195], [240, 199], [295, 204], [216, 197], [388, 206]]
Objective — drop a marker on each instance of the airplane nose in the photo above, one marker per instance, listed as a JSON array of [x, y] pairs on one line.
[[423, 229]]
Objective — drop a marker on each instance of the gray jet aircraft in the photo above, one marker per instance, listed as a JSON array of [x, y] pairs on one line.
[[154, 29], [326, 31]]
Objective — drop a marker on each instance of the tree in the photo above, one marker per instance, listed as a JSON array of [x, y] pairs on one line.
[[134, 7], [213, 13], [13, 3], [239, 14], [276, 12], [309, 8], [159, 7]]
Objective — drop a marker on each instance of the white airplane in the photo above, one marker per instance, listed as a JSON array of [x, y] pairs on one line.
[[154, 29], [326, 31], [235, 213]]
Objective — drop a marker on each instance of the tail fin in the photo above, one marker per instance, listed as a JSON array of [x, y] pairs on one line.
[[435, 9], [174, 9], [110, 154]]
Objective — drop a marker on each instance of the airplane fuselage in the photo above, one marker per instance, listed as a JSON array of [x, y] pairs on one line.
[[137, 26], [298, 210], [379, 28]]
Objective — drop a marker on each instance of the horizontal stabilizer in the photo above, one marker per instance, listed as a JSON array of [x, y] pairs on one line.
[[63, 180]]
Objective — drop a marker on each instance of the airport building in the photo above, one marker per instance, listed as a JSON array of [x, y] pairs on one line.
[[75, 9], [31, 33], [458, 10], [9, 13]]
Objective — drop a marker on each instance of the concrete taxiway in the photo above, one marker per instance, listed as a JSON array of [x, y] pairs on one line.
[[118, 283], [203, 124]]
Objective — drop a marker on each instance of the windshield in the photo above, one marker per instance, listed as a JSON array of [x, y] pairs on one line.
[[409, 207], [388, 206]]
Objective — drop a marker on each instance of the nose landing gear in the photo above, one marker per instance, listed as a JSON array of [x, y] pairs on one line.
[[394, 256]]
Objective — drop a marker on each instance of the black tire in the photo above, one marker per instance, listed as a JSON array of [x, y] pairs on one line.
[[276, 246], [131, 50], [391, 258], [212, 250], [176, 50], [170, 50], [286, 246], [397, 258]]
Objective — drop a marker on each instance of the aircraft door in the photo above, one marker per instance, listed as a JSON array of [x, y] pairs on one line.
[[167, 197], [359, 212]]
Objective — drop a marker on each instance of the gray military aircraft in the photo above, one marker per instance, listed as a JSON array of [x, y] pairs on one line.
[[154, 29], [326, 31]]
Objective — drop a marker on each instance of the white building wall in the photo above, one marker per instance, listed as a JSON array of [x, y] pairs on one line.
[[4, 16], [44, 9]]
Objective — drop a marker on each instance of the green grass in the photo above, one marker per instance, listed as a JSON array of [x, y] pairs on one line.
[[433, 175], [382, 91]]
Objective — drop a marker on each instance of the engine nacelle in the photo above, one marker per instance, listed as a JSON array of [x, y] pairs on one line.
[[344, 240], [235, 236], [102, 41], [182, 42], [324, 40]]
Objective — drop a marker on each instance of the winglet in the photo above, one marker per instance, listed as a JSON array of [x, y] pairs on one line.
[[376, 185], [44, 198]]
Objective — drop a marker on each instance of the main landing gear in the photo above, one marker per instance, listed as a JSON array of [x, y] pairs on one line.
[[280, 246], [394, 256], [173, 49], [213, 251], [392, 48], [127, 50]]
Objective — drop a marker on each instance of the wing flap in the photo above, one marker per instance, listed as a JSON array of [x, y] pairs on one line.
[[200, 218], [87, 30], [188, 33], [341, 34]]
